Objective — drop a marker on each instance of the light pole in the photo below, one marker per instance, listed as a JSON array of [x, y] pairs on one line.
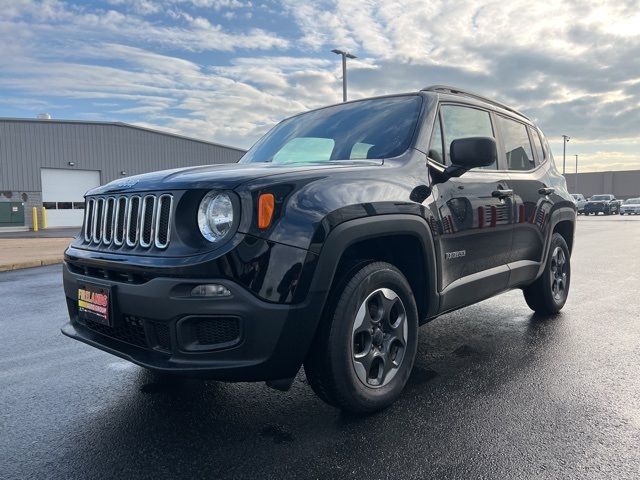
[[565, 139], [344, 55], [576, 190]]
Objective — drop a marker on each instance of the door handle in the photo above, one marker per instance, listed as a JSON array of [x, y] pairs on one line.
[[546, 191], [502, 193]]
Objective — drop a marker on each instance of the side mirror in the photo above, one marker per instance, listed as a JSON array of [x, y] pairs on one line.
[[466, 153], [473, 152]]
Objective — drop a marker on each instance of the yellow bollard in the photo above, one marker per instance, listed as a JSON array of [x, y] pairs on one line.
[[44, 218], [34, 214]]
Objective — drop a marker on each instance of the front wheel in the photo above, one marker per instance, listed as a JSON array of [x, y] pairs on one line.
[[364, 350], [548, 294]]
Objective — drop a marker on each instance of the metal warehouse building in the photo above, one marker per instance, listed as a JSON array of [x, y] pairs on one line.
[[52, 163], [623, 184]]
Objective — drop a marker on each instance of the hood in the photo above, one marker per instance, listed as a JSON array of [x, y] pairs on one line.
[[221, 176]]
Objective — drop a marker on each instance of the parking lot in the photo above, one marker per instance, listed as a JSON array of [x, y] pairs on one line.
[[495, 393]]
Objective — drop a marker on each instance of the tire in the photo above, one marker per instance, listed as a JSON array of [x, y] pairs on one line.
[[548, 294], [359, 360]]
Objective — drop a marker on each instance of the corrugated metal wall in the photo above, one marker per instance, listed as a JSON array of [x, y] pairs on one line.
[[27, 146], [623, 184]]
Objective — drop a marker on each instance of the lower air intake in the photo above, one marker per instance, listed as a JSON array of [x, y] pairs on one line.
[[208, 333]]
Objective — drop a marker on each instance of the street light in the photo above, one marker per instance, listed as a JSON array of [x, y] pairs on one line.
[[565, 140], [344, 55], [576, 190]]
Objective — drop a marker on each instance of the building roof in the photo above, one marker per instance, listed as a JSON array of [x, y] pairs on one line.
[[116, 124]]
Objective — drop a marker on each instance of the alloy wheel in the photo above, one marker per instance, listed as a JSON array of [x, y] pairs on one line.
[[379, 338], [559, 273]]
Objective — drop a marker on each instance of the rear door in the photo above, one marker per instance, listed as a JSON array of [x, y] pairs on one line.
[[523, 155], [474, 211]]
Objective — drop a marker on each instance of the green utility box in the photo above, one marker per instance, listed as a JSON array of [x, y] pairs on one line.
[[11, 214]]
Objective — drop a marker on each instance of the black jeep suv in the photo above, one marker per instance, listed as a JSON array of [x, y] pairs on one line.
[[339, 233]]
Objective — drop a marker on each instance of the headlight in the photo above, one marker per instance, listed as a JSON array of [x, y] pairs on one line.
[[215, 216]]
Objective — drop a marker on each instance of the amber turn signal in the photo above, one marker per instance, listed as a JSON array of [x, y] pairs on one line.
[[266, 206]]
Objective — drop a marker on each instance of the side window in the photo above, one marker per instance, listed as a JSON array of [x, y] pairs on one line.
[[435, 148], [537, 145], [463, 122], [517, 144]]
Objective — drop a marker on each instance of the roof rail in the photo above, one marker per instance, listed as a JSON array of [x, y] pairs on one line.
[[454, 90]]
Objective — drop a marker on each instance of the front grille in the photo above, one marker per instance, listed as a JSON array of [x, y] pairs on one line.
[[120, 221], [146, 221], [133, 221], [98, 211], [131, 331], [107, 220], [129, 220]]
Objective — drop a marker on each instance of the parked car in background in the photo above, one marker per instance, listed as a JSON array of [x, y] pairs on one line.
[[630, 206], [606, 204], [580, 201]]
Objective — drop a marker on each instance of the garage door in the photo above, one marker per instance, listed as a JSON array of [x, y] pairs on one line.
[[63, 194]]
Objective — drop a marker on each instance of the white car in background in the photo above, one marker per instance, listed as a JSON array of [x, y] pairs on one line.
[[630, 206], [579, 200]]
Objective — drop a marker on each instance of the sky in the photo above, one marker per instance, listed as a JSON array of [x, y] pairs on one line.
[[228, 70]]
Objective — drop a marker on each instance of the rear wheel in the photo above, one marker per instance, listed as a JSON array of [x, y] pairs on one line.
[[364, 351], [548, 294]]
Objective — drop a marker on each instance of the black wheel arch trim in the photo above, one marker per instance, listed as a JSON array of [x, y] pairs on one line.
[[352, 231], [561, 214]]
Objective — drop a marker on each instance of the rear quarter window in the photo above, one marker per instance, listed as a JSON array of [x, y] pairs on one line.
[[517, 145], [547, 149], [537, 145]]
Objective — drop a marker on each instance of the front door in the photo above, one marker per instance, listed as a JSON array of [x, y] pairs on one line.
[[475, 212]]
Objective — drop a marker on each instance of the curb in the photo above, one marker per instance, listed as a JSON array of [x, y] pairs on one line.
[[31, 263]]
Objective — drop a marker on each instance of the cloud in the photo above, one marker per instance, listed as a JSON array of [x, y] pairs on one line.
[[194, 67], [54, 20]]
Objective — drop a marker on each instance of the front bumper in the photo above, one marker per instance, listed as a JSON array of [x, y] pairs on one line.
[[629, 211], [157, 324], [596, 208]]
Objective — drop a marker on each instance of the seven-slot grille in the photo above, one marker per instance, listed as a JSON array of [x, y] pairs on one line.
[[136, 220]]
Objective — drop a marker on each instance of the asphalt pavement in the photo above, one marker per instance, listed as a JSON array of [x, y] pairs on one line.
[[496, 393]]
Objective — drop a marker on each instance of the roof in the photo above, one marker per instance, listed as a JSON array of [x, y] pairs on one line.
[[117, 124]]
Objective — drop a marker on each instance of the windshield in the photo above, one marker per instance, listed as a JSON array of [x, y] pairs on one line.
[[377, 128], [632, 201], [601, 197]]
